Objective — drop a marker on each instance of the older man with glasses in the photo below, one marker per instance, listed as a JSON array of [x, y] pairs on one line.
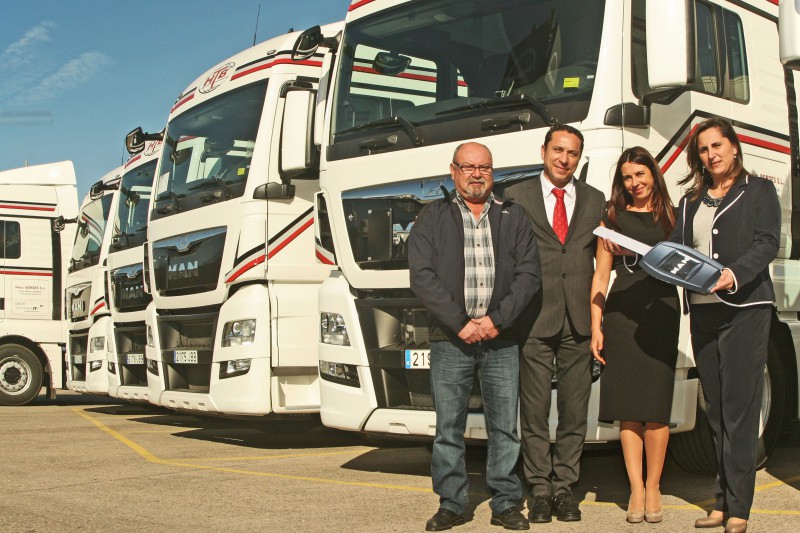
[[475, 266]]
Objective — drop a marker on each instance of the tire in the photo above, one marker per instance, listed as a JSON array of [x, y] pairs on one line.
[[694, 451], [20, 375]]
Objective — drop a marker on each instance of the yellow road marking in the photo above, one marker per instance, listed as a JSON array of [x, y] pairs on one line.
[[274, 456], [145, 454]]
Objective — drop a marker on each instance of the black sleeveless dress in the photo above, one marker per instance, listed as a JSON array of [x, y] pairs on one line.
[[640, 332]]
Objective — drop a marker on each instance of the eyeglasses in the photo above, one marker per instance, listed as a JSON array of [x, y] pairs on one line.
[[468, 169]]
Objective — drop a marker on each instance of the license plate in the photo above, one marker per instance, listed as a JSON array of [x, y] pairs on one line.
[[135, 358], [78, 359], [186, 357], [418, 359]]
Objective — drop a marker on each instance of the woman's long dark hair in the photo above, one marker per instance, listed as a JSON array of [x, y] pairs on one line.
[[698, 177], [663, 210]]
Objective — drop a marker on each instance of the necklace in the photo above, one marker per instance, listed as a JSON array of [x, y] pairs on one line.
[[710, 201]]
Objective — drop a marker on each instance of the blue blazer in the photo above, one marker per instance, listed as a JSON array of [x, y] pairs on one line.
[[745, 237]]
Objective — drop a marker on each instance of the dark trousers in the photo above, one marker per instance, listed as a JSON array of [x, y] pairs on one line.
[[553, 473], [730, 351]]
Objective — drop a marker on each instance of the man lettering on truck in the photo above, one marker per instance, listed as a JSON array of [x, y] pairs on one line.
[[564, 212], [475, 265]]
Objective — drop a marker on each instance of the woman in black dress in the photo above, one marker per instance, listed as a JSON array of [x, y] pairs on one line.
[[635, 329]]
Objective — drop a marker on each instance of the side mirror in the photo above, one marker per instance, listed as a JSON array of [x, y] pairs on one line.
[[307, 44], [789, 33], [670, 43], [96, 191], [274, 191], [60, 223], [297, 133], [134, 141], [390, 64]]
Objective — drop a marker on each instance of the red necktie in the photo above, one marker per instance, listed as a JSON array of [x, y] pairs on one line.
[[560, 225]]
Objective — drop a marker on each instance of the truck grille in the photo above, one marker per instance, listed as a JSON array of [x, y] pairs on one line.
[[78, 344], [130, 342], [189, 263], [188, 334]]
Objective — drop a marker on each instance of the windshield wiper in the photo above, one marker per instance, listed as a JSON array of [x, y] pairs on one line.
[[395, 121], [508, 101], [174, 204], [213, 182]]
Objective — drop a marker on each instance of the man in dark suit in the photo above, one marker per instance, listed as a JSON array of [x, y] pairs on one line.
[[564, 212]]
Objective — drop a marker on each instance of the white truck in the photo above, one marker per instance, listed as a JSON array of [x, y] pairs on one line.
[[412, 79], [33, 266], [85, 296], [128, 300], [230, 248]]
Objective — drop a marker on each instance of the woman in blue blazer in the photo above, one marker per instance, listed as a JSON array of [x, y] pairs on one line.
[[733, 217]]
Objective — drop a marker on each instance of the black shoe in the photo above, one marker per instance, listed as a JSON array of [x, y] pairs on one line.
[[541, 510], [565, 509], [444, 519], [511, 518]]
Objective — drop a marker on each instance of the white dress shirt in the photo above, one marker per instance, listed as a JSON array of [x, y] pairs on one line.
[[550, 199]]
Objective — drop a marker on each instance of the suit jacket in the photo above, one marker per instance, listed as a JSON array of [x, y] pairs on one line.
[[745, 237], [567, 269]]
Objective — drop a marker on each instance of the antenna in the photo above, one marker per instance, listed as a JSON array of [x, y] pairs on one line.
[[258, 15]]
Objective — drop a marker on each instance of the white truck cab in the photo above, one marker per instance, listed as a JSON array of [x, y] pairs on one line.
[[412, 79], [128, 300], [85, 296], [35, 246], [230, 244]]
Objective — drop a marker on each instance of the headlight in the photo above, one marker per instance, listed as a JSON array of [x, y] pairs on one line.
[[333, 330], [152, 366], [239, 332], [150, 342], [237, 367], [97, 344], [339, 373], [95, 365]]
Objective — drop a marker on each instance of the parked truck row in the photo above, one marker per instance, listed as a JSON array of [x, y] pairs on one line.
[[251, 258]]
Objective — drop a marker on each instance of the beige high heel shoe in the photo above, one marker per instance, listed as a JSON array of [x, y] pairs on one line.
[[653, 517], [633, 516]]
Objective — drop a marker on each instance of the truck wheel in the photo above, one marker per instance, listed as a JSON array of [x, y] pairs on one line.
[[694, 450], [20, 375]]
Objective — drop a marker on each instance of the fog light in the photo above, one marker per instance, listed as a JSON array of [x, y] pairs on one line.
[[339, 373], [152, 366], [239, 332], [333, 330], [97, 344], [95, 365], [112, 367], [237, 367]]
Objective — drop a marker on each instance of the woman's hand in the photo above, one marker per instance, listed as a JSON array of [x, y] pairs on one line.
[[597, 346], [725, 281], [615, 249]]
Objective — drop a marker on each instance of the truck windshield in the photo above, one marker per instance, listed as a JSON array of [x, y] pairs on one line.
[[89, 235], [130, 222], [207, 152], [434, 71]]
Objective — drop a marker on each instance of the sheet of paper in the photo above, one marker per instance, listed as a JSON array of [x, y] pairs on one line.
[[626, 242]]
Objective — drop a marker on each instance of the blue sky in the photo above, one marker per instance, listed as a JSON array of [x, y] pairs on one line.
[[77, 75]]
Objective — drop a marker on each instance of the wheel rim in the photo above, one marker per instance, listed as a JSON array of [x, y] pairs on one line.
[[15, 375], [766, 404]]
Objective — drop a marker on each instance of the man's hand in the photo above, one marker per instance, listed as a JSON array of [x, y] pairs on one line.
[[486, 328], [470, 333]]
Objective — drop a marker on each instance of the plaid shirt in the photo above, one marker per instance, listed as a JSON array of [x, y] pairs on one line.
[[478, 259]]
